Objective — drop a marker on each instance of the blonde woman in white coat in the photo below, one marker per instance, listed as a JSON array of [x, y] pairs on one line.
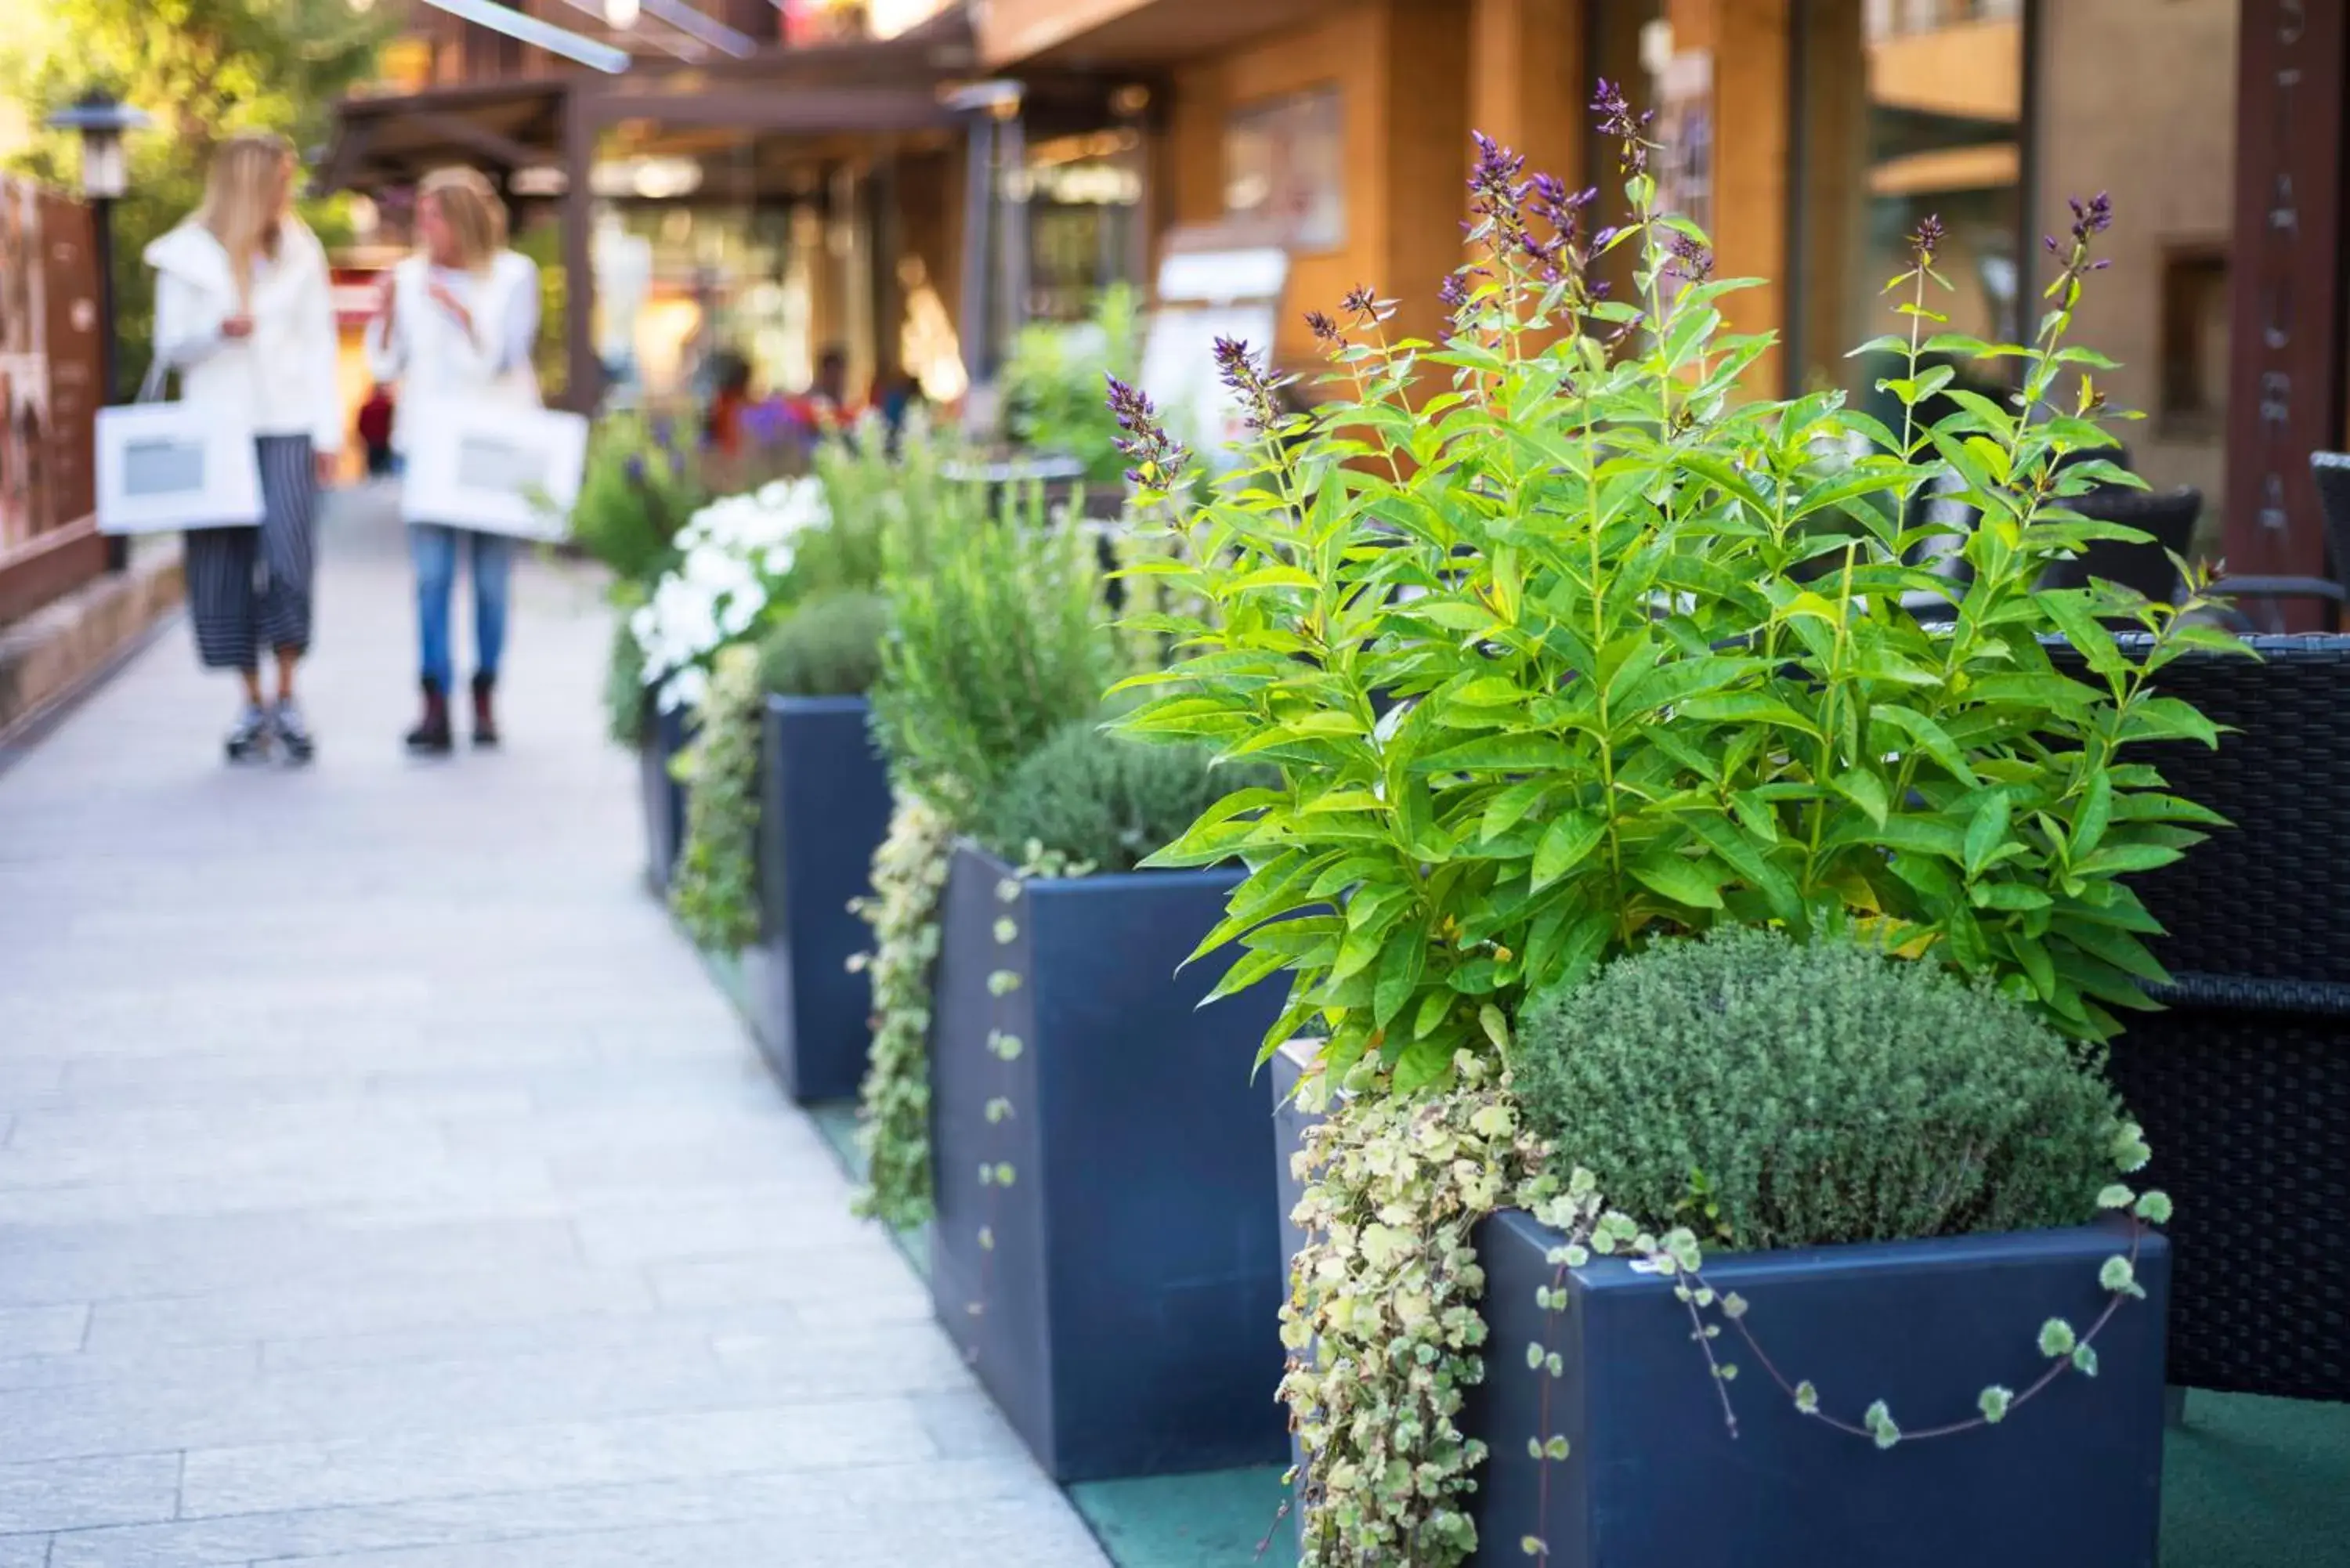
[[244, 313], [457, 320]]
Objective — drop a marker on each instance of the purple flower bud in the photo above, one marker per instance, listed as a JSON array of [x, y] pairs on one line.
[[1323, 329], [1927, 240], [1690, 260]]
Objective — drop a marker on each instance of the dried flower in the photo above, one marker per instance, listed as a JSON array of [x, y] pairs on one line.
[[1325, 330]]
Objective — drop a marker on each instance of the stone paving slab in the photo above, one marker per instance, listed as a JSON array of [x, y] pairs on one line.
[[383, 1184]]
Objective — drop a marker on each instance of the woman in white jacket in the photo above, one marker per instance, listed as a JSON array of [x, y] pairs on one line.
[[457, 320], [244, 312]]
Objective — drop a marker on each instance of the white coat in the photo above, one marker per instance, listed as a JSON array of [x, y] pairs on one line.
[[280, 378], [432, 354]]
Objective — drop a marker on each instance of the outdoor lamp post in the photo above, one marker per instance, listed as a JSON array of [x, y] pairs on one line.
[[101, 119]]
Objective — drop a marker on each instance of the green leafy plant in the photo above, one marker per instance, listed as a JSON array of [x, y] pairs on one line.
[[715, 894], [1052, 384], [995, 643], [1813, 1093], [1095, 796], [638, 489], [1582, 649], [828, 647], [994, 647], [624, 670]]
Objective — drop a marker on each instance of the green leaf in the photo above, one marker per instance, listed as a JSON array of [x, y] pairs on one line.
[[1695, 883], [1401, 964], [1986, 831], [2070, 610], [1865, 790], [1507, 809], [1566, 842], [1930, 737]]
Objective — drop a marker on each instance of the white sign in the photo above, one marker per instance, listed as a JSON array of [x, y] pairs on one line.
[[1205, 294]]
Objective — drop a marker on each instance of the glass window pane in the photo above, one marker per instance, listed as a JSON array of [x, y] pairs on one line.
[[1908, 107]]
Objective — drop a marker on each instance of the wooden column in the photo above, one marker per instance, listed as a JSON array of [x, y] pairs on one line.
[[583, 373], [2285, 381], [1751, 193], [1527, 82]]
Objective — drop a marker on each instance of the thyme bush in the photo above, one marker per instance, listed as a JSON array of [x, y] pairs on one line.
[[829, 646], [1103, 800], [1768, 1093]]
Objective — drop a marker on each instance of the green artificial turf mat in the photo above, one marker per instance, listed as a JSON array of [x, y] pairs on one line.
[[2247, 1483], [2251, 1482], [1211, 1520]]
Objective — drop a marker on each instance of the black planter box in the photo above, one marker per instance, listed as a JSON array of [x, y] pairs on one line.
[[665, 735], [1124, 1317], [823, 808], [1654, 1479]]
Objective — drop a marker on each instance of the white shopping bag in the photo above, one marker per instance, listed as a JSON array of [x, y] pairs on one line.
[[494, 465], [162, 467]]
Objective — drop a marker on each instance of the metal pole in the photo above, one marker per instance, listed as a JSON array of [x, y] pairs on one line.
[[101, 224]]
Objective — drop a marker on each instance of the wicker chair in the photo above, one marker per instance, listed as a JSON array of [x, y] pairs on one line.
[[2167, 518], [2243, 1082]]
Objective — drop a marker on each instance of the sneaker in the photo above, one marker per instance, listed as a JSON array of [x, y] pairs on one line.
[[249, 741], [292, 731]]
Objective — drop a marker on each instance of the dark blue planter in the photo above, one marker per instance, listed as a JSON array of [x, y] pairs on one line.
[[666, 735], [823, 808], [1125, 1317], [1655, 1479]]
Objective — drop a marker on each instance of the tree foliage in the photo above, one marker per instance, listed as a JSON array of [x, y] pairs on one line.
[[203, 69]]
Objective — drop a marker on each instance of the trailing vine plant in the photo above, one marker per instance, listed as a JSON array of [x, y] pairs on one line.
[[715, 894], [893, 1118]]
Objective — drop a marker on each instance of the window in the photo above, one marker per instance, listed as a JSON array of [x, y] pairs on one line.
[[1286, 160], [1907, 109], [2194, 340]]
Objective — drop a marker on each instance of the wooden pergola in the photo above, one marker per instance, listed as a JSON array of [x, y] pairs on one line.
[[549, 128]]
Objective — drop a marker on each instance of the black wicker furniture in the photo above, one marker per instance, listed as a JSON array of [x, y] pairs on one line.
[[2243, 1082], [2167, 518], [2255, 596]]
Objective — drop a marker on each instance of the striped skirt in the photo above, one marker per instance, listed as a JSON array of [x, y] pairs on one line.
[[249, 588]]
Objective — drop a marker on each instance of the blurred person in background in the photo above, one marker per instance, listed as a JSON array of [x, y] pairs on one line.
[[244, 312], [457, 320], [375, 430]]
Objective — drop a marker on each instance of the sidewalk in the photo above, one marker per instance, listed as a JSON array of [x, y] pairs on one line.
[[383, 1183]]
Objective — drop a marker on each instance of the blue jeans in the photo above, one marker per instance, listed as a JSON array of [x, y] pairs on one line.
[[435, 550]]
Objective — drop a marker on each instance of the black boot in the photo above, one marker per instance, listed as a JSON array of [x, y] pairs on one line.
[[485, 723], [430, 737]]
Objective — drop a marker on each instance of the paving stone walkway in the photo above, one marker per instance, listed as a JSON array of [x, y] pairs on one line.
[[384, 1185]]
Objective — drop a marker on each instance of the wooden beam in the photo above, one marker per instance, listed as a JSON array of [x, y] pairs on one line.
[[808, 110], [503, 151], [583, 384], [2286, 335]]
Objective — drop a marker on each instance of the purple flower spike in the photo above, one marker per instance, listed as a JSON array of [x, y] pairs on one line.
[[1926, 242], [1325, 330], [1248, 381], [1691, 261], [1159, 458]]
